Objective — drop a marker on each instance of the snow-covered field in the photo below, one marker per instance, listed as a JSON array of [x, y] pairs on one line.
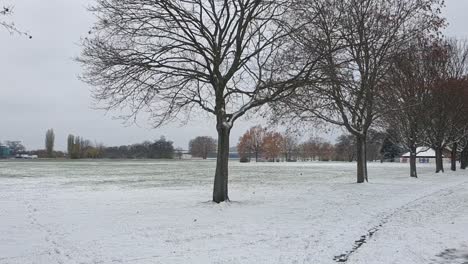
[[159, 212]]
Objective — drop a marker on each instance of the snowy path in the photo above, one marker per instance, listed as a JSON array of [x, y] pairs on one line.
[[416, 232], [158, 212]]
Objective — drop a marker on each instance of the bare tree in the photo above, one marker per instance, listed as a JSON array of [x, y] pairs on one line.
[[289, 146], [171, 56], [409, 82], [446, 120], [357, 39], [202, 146], [10, 26], [49, 143]]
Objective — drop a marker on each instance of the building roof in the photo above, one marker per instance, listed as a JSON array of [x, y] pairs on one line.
[[422, 152]]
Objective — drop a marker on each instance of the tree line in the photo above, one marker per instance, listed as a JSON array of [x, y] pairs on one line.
[[261, 144]]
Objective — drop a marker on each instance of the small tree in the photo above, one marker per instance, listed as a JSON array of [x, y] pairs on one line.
[[162, 149], [202, 146], [49, 143]]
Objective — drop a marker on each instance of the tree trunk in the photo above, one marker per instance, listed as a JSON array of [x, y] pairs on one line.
[[361, 159], [454, 157], [220, 190], [413, 154], [439, 160], [464, 158]]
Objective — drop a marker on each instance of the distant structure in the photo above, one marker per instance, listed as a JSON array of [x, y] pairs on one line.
[[26, 156], [4, 152], [424, 155]]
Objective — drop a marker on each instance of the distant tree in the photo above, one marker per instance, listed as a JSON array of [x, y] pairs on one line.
[[162, 149], [345, 148], [168, 57], [70, 145], [244, 149], [326, 151], [272, 145], [49, 143], [202, 146], [179, 153], [310, 148], [16, 147], [252, 141], [76, 152], [390, 150], [289, 146], [374, 143]]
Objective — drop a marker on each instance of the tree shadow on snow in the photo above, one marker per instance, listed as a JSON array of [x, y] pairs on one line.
[[452, 256]]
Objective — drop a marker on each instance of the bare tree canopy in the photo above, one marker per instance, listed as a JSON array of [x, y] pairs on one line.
[[357, 39], [172, 56]]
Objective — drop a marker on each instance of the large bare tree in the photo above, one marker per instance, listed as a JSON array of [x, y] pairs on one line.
[[409, 81], [357, 39], [167, 57]]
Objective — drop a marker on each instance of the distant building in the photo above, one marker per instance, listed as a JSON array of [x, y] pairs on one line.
[[4, 152], [424, 155], [26, 156]]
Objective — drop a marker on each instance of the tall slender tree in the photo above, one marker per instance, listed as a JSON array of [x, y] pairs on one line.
[[70, 145], [49, 143]]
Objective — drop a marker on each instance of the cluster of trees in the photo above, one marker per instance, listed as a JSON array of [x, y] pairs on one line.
[[426, 94], [263, 144], [16, 147], [79, 148], [325, 60], [158, 149], [201, 147]]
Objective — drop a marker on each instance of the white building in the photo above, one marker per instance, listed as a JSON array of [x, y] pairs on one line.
[[424, 155]]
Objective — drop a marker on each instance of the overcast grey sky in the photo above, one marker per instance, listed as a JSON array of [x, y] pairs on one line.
[[39, 88]]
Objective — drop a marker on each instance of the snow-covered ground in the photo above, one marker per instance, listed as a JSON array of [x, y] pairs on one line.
[[159, 212]]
